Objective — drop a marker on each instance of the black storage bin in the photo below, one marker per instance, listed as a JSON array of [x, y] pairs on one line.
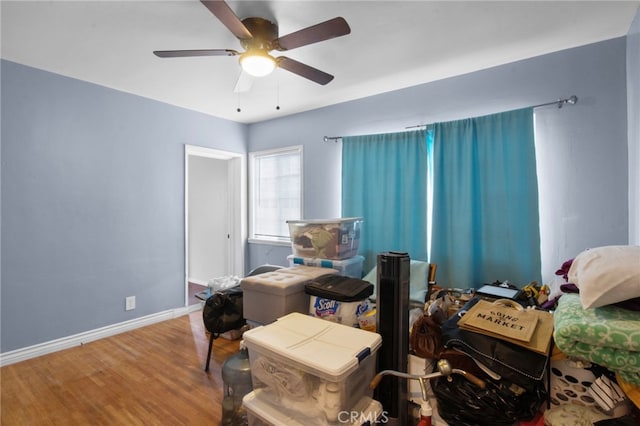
[[338, 298]]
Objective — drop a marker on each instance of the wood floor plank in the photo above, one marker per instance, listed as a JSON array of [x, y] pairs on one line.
[[149, 376]]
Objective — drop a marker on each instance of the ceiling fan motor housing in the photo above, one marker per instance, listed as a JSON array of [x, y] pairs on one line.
[[264, 33]]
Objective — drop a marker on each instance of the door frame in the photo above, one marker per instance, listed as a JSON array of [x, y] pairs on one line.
[[236, 204]]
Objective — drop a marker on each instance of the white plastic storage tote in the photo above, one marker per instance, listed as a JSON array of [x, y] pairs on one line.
[[260, 413], [315, 368]]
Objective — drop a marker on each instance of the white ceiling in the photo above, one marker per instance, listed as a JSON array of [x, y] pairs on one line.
[[393, 44]]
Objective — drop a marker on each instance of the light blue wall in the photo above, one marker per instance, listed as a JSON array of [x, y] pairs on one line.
[[633, 101], [92, 178], [92, 203], [583, 147]]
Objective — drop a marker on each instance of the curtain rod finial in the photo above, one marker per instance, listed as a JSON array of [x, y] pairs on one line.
[[335, 139], [572, 100]]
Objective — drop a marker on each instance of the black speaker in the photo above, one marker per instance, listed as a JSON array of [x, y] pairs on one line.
[[392, 323]]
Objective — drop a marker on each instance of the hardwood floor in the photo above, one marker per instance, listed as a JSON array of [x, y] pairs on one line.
[[149, 376]]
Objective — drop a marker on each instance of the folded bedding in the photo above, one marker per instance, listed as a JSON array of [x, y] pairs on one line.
[[608, 336]]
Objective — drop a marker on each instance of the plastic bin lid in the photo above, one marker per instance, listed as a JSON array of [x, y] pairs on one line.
[[284, 281], [308, 271], [340, 288], [326, 221], [277, 283], [266, 412], [324, 263], [327, 349], [368, 411]]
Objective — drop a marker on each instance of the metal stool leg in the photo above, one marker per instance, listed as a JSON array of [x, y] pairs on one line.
[[211, 338]]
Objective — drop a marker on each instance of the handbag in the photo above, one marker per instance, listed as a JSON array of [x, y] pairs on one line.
[[512, 362], [500, 403], [425, 339]]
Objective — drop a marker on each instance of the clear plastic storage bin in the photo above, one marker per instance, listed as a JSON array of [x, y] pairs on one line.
[[351, 267], [326, 239]]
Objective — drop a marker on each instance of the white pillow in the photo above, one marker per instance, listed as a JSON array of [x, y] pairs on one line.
[[606, 275]]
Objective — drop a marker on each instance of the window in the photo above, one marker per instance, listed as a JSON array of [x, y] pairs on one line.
[[275, 192]]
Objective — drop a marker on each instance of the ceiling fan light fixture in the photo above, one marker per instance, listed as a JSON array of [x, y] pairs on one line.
[[257, 63]]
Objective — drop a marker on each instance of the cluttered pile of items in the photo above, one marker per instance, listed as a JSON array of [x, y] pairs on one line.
[[553, 355], [326, 346], [496, 339], [310, 363]]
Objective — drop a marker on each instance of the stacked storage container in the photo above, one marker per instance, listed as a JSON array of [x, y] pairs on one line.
[[270, 295], [332, 244], [340, 299], [329, 243], [308, 371]]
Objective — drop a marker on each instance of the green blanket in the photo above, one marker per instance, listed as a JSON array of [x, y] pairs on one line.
[[608, 336]]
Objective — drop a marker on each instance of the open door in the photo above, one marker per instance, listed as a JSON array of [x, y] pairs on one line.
[[215, 215]]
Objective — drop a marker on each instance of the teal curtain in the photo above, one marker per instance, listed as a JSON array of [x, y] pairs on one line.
[[384, 180], [485, 201]]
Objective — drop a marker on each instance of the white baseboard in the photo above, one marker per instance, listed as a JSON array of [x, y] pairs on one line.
[[51, 346], [199, 282]]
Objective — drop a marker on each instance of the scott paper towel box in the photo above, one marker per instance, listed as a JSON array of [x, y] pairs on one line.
[[315, 369], [338, 298]]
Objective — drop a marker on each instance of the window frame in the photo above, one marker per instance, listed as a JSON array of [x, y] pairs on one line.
[[294, 149]]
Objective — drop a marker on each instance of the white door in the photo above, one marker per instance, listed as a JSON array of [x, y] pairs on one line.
[[214, 215]]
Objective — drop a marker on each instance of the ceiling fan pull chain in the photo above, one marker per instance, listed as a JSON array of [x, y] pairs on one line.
[[278, 93]]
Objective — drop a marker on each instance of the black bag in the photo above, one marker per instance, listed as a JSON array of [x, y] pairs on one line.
[[222, 311], [514, 363], [500, 403]]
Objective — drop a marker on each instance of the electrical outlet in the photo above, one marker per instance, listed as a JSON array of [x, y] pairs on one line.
[[129, 303]]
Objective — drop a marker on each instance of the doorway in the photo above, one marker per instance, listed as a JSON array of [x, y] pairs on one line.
[[215, 216]]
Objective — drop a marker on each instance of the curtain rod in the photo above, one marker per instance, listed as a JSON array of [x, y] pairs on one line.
[[571, 100]]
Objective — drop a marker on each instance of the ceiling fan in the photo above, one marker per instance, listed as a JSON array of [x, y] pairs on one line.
[[258, 37]]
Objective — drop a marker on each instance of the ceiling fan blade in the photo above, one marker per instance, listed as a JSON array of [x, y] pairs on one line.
[[244, 83], [223, 12], [199, 52], [332, 28], [304, 70]]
